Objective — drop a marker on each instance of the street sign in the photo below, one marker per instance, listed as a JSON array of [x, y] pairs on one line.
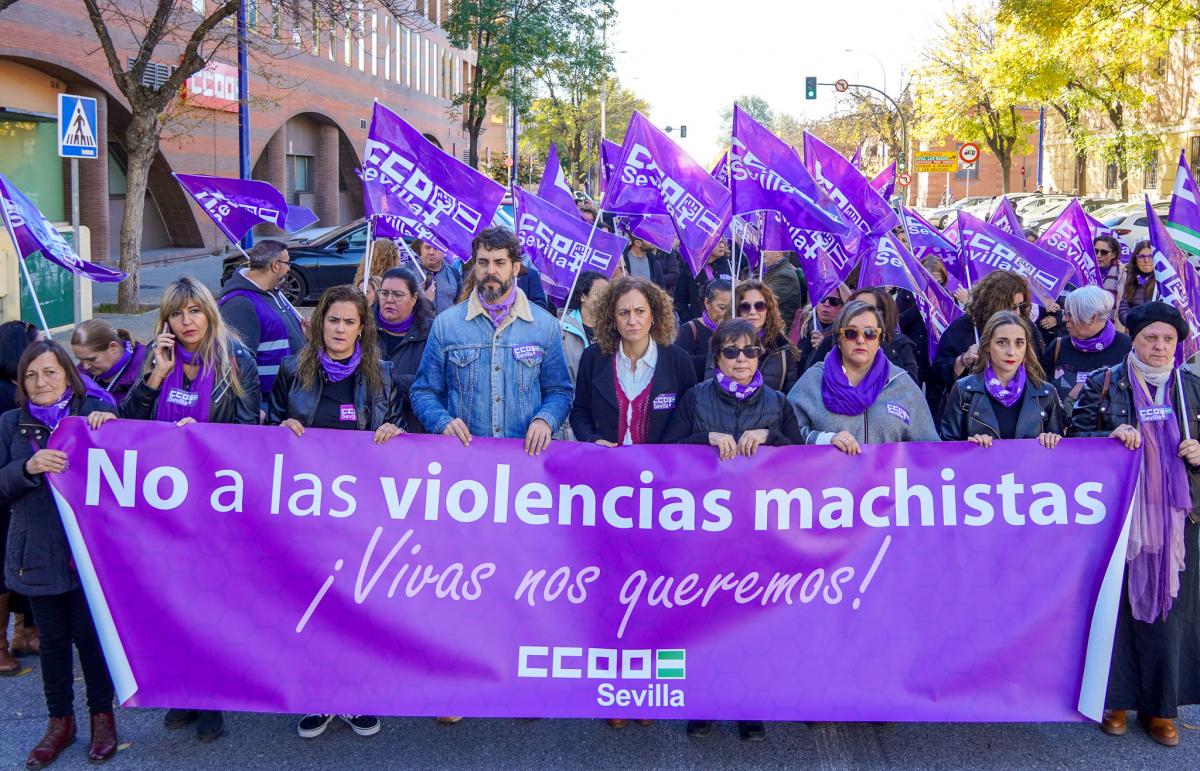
[[903, 180], [841, 85], [77, 127], [934, 161], [968, 153]]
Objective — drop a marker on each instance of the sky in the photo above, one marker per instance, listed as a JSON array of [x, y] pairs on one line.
[[691, 58]]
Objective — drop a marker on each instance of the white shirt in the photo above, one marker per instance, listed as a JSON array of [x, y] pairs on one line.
[[634, 379]]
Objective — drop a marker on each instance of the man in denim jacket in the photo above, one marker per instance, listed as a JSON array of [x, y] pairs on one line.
[[493, 365]]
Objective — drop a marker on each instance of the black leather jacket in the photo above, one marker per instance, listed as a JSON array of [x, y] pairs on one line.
[[969, 411], [290, 399], [227, 407], [707, 408]]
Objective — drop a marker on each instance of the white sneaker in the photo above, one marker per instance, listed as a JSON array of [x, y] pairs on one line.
[[363, 725], [312, 726]]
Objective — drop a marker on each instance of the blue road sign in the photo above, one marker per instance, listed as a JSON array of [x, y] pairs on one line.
[[77, 127]]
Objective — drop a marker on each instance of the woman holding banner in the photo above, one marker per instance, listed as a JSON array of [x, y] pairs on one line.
[[197, 372], [780, 366], [38, 561], [337, 381], [111, 356], [1147, 402], [1092, 343], [856, 396], [1006, 395]]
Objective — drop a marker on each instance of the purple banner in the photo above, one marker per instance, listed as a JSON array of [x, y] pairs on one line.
[[825, 259], [433, 196], [31, 233], [985, 248], [925, 239], [655, 176], [922, 582], [553, 187], [558, 242], [1176, 281], [1070, 238], [854, 197], [236, 205], [1005, 218]]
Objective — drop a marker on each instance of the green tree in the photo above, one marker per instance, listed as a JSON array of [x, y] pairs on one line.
[[754, 106], [513, 41]]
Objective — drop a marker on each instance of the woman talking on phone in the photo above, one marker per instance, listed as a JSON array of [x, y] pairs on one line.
[[197, 372]]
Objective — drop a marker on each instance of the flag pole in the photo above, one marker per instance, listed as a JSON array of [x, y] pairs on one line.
[[1187, 429], [368, 253], [414, 259], [579, 269], [37, 304]]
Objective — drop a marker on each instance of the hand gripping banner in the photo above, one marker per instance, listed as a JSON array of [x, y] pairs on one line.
[[928, 582]]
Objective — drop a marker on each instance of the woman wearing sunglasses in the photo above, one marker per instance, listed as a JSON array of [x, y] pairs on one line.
[[816, 324], [1139, 287], [897, 346], [1006, 396], [735, 412], [1108, 259], [856, 396], [780, 365]]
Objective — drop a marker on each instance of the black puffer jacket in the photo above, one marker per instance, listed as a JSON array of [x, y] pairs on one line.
[[970, 411], [709, 408], [37, 559], [227, 407], [406, 358], [290, 399]]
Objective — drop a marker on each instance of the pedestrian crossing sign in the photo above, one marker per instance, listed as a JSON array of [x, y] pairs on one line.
[[77, 127]]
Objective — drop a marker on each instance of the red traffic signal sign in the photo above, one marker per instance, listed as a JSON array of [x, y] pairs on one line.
[[968, 153], [842, 85], [903, 180]]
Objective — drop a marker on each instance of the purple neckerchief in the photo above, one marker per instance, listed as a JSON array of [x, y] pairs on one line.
[[50, 414], [708, 322], [117, 368], [499, 311], [1142, 278], [845, 399], [739, 391], [1098, 343], [95, 390], [338, 371], [176, 402], [1006, 395], [1155, 554], [395, 327]]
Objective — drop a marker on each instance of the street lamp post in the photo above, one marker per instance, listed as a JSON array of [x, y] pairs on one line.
[[882, 69]]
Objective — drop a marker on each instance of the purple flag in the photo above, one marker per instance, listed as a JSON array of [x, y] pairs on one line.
[[886, 262], [1098, 229], [927, 581], [558, 243], [851, 193], [656, 229], [610, 153], [1070, 237], [769, 176], [986, 248], [926, 240], [720, 171], [856, 160], [884, 182], [826, 259], [655, 176], [1176, 281], [31, 233], [237, 205], [1005, 218], [553, 187], [1183, 223], [437, 197]]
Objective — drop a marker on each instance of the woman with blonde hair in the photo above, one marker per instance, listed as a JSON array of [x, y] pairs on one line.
[[385, 255]]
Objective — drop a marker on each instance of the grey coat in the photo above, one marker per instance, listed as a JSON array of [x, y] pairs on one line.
[[899, 414]]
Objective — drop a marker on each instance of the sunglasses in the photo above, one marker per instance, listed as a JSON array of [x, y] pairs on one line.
[[1104, 251], [833, 302], [750, 351], [759, 306], [1020, 307], [868, 333]]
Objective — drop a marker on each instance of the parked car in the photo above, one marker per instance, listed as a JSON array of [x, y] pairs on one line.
[[316, 264], [1131, 225], [1092, 205]]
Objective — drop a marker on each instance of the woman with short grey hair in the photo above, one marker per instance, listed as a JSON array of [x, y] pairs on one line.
[[1091, 343]]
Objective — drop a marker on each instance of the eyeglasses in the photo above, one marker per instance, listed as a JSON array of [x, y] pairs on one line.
[[832, 301], [391, 294], [750, 351], [1103, 252], [868, 333], [759, 306], [1020, 308]]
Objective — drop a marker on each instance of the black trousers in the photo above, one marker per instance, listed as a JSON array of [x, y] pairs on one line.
[[63, 619]]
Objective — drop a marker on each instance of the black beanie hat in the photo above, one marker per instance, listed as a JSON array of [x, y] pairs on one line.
[[1147, 313]]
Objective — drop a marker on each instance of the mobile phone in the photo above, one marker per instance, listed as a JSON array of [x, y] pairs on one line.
[[168, 353]]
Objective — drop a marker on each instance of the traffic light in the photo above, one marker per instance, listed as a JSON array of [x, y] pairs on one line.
[[683, 132], [810, 88]]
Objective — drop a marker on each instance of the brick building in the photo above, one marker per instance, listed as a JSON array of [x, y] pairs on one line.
[[986, 178], [312, 85]]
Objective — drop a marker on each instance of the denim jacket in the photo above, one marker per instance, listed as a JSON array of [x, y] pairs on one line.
[[497, 380]]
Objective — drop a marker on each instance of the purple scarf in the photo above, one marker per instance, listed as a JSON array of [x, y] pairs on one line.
[[116, 369], [337, 371], [1163, 499], [708, 322], [739, 391], [498, 312], [176, 402], [844, 399], [395, 327], [1005, 394], [1098, 343], [51, 414]]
